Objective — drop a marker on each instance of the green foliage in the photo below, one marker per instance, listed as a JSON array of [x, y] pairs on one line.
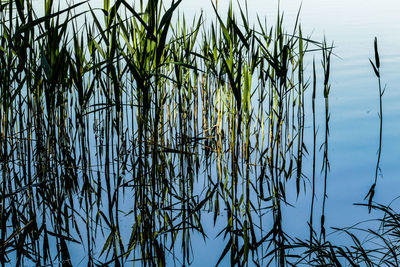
[[121, 126]]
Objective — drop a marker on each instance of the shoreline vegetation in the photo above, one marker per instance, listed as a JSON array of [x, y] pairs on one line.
[[127, 131]]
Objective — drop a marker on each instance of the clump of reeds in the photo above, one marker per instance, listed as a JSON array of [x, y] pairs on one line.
[[118, 135]]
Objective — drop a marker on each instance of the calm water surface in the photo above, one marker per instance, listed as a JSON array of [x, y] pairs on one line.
[[354, 103]]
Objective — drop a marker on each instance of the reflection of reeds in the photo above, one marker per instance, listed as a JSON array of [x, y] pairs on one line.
[[379, 247], [314, 155], [117, 136]]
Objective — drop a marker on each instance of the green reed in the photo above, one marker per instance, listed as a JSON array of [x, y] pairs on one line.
[[327, 51], [376, 68], [118, 135]]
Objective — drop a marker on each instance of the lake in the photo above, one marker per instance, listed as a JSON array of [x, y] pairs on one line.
[[199, 170]]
